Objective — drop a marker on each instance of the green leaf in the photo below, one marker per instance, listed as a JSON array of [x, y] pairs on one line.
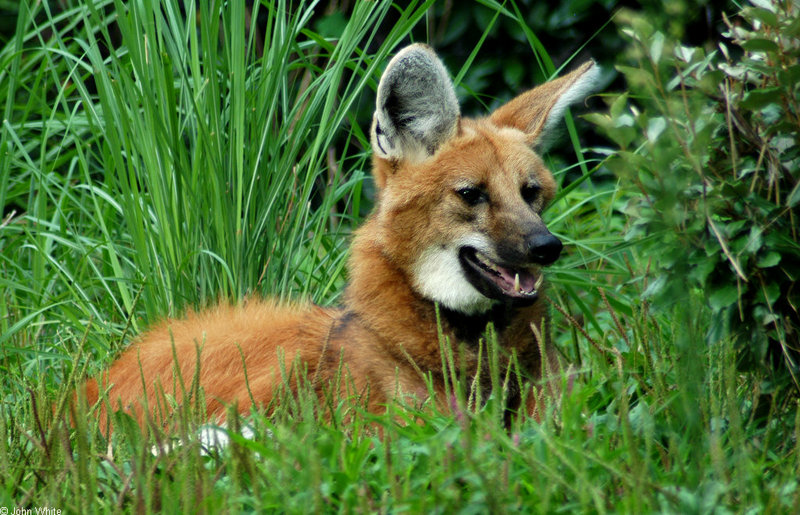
[[754, 240], [771, 259], [637, 78], [765, 16], [656, 46], [702, 269], [723, 297], [759, 98], [685, 53], [768, 5], [760, 45], [619, 105], [793, 28], [771, 292], [655, 126]]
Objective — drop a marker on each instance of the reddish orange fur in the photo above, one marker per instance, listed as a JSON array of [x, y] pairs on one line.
[[385, 332]]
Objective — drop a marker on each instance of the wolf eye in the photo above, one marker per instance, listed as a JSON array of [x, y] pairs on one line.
[[529, 192], [472, 196]]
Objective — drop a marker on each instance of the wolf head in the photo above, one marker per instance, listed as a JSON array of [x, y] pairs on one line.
[[460, 200]]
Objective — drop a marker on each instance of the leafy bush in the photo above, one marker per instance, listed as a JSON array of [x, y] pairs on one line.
[[709, 141]]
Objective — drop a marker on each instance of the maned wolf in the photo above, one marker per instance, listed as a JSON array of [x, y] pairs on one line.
[[457, 223]]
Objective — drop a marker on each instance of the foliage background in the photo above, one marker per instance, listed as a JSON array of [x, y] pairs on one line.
[[154, 157]]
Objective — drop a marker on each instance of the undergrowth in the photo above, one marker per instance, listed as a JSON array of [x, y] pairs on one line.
[[155, 156]]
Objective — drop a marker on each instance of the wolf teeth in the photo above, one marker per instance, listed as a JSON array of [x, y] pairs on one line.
[[486, 263], [489, 266]]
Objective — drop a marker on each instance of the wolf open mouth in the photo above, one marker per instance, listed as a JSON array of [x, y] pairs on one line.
[[500, 281]]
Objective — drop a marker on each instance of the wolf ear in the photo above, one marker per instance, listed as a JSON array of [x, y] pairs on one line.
[[539, 110], [416, 109]]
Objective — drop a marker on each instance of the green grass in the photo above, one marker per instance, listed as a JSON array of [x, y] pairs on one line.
[[153, 160]]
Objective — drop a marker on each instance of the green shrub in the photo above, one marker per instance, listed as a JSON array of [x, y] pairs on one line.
[[709, 147]]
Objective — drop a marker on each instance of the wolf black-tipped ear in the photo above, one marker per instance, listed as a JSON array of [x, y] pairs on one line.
[[416, 109], [539, 110]]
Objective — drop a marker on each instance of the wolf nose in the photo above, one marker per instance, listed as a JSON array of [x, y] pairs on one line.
[[544, 248]]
